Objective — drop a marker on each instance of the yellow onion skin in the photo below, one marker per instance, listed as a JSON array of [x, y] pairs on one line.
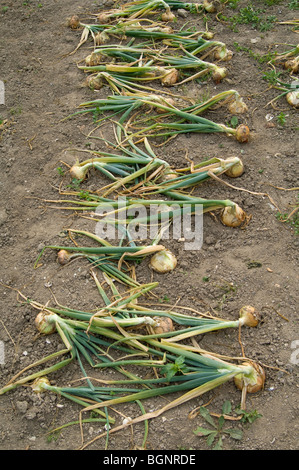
[[74, 22], [168, 16], [165, 102], [233, 216], [77, 172], [164, 325], [94, 82], [103, 18], [171, 78], [38, 384], [95, 58], [235, 170], [249, 316], [209, 7], [238, 106], [219, 74], [292, 64], [63, 257], [260, 379], [242, 133], [101, 38], [43, 325], [163, 261]]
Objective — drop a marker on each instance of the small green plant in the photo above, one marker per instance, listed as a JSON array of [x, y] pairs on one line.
[[281, 118], [292, 219], [60, 171], [254, 17], [214, 435], [248, 416], [177, 367]]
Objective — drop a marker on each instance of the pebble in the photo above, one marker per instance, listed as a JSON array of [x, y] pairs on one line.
[[22, 406], [182, 13]]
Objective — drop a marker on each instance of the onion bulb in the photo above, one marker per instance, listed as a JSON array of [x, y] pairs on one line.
[[208, 6], [103, 18], [222, 53], [237, 106], [78, 172], [38, 385], [165, 102], [95, 58], [74, 22], [163, 325], [248, 316], [166, 29], [63, 257], [163, 261], [235, 170], [101, 38], [94, 82], [292, 64], [219, 73], [44, 323], [168, 16], [255, 383], [242, 133], [170, 78], [233, 216], [293, 98]]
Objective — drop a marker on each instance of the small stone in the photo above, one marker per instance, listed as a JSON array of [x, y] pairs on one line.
[[22, 406], [182, 13]]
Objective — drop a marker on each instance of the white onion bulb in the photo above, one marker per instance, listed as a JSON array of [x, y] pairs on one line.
[[163, 261]]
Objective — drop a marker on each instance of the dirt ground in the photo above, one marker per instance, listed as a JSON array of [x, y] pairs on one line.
[[256, 265]]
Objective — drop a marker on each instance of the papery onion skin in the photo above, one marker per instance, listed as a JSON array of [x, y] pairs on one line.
[[94, 82], [74, 22], [170, 78], [240, 381], [168, 16], [101, 38], [63, 257], [163, 261], [233, 216], [219, 74], [78, 172], [38, 384], [103, 18], [249, 316], [164, 325], [43, 324], [293, 98], [235, 170], [209, 7], [238, 106], [242, 133]]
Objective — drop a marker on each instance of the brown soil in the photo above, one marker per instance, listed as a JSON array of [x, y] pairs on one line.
[[256, 265]]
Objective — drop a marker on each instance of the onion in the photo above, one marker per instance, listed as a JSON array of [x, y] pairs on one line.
[[94, 82], [242, 133], [237, 106], [103, 18], [218, 74], [74, 22], [163, 261], [293, 98], [95, 58], [101, 38], [170, 78], [292, 64], [235, 170], [38, 384], [166, 30], [248, 316], [78, 172], [222, 53], [168, 16], [163, 325], [233, 216], [44, 323], [63, 257], [253, 384], [208, 6]]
